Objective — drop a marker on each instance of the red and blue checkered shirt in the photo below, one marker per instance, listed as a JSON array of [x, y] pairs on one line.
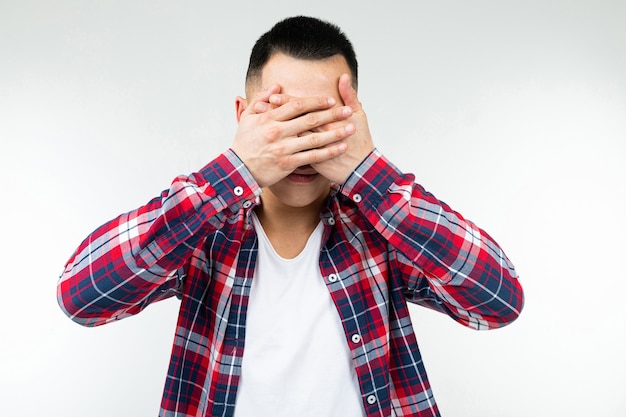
[[386, 241]]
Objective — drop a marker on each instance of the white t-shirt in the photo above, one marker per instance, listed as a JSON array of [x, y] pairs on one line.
[[296, 360]]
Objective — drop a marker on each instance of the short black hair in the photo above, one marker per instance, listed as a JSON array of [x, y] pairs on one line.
[[301, 37]]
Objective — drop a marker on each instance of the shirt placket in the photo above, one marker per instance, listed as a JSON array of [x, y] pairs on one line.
[[375, 398]]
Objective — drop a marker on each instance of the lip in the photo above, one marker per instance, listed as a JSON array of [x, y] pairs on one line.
[[302, 176]]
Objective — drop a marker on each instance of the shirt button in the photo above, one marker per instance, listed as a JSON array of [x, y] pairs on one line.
[[238, 191], [247, 204], [331, 221], [371, 399], [357, 198], [332, 278], [356, 338]]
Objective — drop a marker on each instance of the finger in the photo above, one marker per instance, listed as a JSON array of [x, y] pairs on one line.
[[262, 107], [291, 107], [348, 93], [260, 102], [318, 140], [312, 121], [280, 98], [316, 156], [313, 156]]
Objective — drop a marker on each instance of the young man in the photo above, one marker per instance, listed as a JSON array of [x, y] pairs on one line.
[[294, 254]]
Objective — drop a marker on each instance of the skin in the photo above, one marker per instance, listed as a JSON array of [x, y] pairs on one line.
[[302, 129]]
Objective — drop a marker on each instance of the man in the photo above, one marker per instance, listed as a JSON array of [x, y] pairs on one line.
[[294, 254]]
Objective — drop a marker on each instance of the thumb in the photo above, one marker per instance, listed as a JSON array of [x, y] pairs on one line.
[[348, 93]]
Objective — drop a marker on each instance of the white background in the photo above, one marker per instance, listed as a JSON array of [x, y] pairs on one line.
[[513, 112]]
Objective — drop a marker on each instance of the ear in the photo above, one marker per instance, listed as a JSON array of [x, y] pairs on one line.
[[241, 104]]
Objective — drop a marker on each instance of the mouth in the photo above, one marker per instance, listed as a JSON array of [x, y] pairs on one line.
[[305, 170], [304, 174]]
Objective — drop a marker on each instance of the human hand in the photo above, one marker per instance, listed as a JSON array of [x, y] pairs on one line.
[[268, 138], [359, 145]]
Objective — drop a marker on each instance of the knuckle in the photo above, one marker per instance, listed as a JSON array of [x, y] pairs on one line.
[[314, 156], [278, 150], [314, 140], [286, 163], [298, 106], [311, 119], [272, 134]]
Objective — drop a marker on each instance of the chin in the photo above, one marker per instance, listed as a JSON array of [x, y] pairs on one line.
[[298, 199], [300, 202], [300, 196]]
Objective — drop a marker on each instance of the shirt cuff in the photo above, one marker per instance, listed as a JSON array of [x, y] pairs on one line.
[[230, 180], [371, 179]]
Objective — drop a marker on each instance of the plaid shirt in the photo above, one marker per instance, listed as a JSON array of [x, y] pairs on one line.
[[386, 241]]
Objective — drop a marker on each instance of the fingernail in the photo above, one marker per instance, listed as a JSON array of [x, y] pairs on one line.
[[275, 99], [331, 101], [350, 128], [347, 111]]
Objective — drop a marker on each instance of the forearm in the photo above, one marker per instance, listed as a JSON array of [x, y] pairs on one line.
[[464, 268], [138, 257]]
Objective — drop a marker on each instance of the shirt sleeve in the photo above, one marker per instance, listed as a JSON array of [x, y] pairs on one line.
[[140, 256], [448, 263]]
